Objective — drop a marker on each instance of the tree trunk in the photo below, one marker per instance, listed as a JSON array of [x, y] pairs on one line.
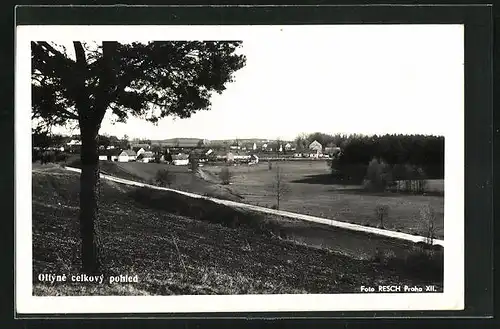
[[89, 200]]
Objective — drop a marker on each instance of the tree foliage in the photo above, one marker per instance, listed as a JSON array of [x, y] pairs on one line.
[[148, 80]]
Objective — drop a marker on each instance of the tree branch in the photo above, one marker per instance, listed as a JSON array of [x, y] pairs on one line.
[[54, 51]]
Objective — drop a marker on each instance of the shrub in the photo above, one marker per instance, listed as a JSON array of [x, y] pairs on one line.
[[383, 257], [168, 157], [381, 212], [193, 162], [225, 175], [279, 186], [61, 157], [410, 178], [48, 157], [164, 178], [428, 223], [377, 175], [426, 263], [203, 210]]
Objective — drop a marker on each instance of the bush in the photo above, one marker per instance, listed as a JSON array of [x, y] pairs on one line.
[[203, 210], [426, 263], [428, 221], [377, 175], [225, 176], [193, 162], [48, 157], [164, 178], [381, 212], [61, 157], [168, 157]]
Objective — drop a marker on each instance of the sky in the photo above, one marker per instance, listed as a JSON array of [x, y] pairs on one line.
[[368, 79]]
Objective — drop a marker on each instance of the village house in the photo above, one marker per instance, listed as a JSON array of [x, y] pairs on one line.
[[180, 159], [146, 156], [126, 156], [289, 147], [331, 150], [315, 149], [74, 142], [138, 150]]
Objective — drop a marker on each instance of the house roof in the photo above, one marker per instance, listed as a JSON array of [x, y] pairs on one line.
[[148, 154], [110, 152], [137, 148], [129, 152], [315, 144]]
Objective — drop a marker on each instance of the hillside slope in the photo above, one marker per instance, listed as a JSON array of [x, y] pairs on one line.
[[174, 254]]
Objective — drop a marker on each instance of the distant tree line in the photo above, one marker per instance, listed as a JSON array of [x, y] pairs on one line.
[[43, 139], [404, 153]]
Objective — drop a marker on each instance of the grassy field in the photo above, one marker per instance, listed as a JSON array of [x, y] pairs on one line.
[[180, 246], [312, 192]]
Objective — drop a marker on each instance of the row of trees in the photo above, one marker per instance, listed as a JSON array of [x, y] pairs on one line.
[[402, 178], [398, 151], [42, 138], [419, 150]]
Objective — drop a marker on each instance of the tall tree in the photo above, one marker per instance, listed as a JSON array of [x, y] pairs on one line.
[[148, 80]]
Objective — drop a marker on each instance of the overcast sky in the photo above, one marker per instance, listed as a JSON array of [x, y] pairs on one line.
[[333, 79]]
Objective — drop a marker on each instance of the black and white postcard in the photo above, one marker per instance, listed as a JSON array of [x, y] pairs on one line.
[[239, 168]]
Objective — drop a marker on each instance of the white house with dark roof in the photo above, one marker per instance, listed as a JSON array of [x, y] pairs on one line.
[[127, 156], [180, 159], [146, 156], [315, 149]]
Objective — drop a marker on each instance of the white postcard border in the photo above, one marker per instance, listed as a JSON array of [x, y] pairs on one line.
[[451, 299]]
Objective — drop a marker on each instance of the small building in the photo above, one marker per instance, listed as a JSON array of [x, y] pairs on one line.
[[180, 159], [127, 156], [74, 142], [138, 150], [332, 151], [289, 147], [316, 146], [146, 157]]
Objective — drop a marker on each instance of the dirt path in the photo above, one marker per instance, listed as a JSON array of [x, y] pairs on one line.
[[347, 226]]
